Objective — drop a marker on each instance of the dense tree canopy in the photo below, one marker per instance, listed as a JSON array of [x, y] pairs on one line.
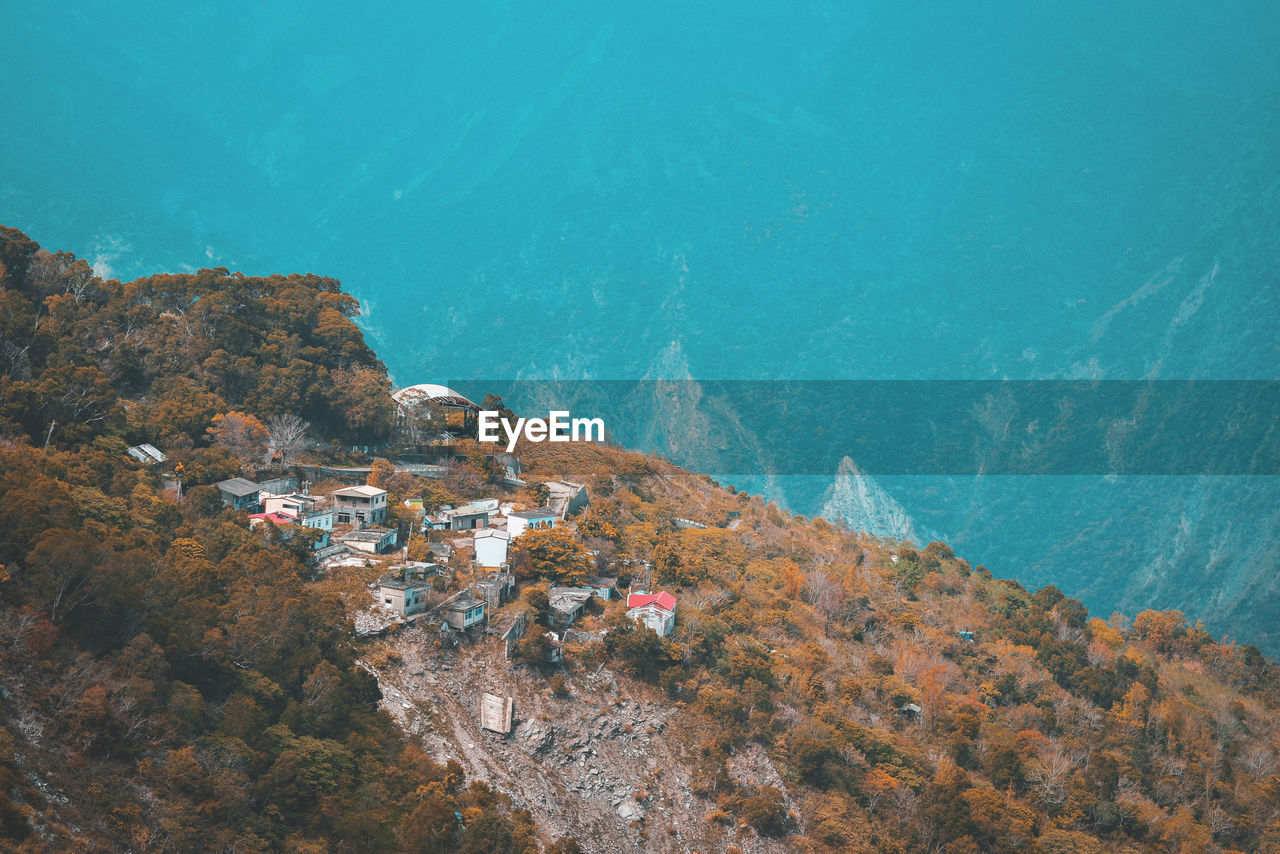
[[158, 358]]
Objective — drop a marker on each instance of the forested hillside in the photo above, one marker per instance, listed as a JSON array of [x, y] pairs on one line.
[[171, 680], [912, 702], [156, 359], [168, 681]]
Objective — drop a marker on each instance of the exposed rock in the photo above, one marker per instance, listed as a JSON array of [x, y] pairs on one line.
[[629, 810], [536, 737], [856, 498]]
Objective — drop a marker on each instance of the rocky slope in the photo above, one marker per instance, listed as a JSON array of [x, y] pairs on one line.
[[598, 762]]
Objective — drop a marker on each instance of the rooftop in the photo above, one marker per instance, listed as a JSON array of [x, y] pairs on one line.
[[298, 497], [463, 602], [238, 486], [430, 391], [414, 575], [147, 453], [540, 513], [276, 518], [663, 600], [368, 535], [465, 510], [362, 491], [578, 593]]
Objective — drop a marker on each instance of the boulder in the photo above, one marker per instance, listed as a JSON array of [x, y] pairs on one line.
[[629, 810]]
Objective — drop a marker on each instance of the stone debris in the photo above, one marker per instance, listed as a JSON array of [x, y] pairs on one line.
[[536, 736], [591, 765], [373, 623]]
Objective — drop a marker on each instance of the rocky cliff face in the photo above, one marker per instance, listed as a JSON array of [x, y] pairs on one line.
[[857, 499], [597, 763]]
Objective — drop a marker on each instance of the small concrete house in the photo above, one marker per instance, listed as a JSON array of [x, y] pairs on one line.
[[405, 589], [464, 611], [496, 587], [602, 586], [240, 493], [568, 603], [279, 518], [371, 540], [556, 653], [524, 520], [655, 610], [491, 547], [362, 506], [468, 517]]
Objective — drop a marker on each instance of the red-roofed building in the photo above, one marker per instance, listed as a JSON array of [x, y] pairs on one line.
[[655, 610], [276, 518], [280, 517]]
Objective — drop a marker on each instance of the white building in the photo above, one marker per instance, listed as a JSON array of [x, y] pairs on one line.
[[655, 610], [491, 546], [523, 520]]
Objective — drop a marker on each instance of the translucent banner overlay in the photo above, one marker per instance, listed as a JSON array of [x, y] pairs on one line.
[[932, 427]]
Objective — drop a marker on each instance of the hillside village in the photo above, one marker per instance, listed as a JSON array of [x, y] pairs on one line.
[[461, 574], [252, 601]]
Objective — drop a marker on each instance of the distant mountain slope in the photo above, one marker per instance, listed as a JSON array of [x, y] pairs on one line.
[[858, 501]]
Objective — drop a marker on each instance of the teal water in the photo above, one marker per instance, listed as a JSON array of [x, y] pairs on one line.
[[852, 190], [715, 190]]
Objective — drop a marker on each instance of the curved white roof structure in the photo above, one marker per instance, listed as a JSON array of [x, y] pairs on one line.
[[431, 391]]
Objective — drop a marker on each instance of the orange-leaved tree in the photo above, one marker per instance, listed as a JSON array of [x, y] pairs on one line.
[[554, 554]]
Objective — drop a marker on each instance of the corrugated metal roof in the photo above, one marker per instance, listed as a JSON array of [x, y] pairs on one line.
[[663, 600]]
